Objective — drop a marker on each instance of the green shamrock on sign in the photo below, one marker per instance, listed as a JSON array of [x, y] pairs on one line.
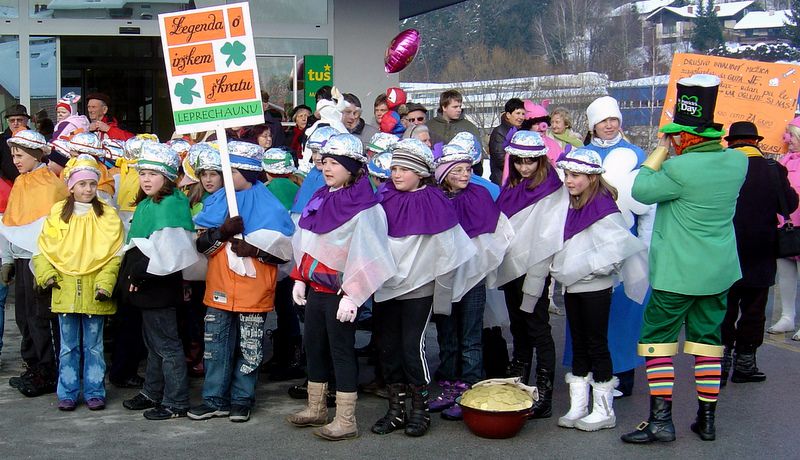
[[186, 91], [234, 51]]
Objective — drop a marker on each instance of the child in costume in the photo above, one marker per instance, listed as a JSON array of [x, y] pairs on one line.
[[459, 334], [159, 245], [428, 245], [470, 144], [129, 177], [80, 246], [282, 181], [696, 192], [35, 191], [89, 143], [597, 244], [379, 168], [68, 121], [535, 202], [240, 284], [380, 142], [344, 257]]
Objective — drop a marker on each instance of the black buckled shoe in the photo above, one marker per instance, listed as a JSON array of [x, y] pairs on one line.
[[658, 427]]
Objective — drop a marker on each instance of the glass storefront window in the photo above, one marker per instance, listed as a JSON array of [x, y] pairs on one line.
[[105, 9], [9, 9], [288, 11], [277, 73], [44, 81], [9, 74]]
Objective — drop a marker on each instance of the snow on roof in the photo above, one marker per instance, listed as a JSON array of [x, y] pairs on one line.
[[726, 10], [658, 80], [642, 7], [763, 20]]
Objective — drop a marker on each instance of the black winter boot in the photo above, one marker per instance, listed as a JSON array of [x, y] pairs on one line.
[[658, 427], [745, 369], [395, 418], [704, 424], [519, 368], [727, 360], [543, 408], [420, 419]]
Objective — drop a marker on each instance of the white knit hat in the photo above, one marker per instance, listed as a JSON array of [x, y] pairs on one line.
[[602, 108]]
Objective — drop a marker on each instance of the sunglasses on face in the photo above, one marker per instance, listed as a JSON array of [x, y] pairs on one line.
[[416, 118]]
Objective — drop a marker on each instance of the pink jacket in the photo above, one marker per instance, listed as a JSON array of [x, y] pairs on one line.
[[554, 150], [791, 161]]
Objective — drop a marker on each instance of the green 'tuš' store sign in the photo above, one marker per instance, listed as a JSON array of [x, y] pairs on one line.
[[318, 73]]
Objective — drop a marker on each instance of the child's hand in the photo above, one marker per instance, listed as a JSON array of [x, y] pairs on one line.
[[7, 273], [52, 283], [231, 227], [101, 295]]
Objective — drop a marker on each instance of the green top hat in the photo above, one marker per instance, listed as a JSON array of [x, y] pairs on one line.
[[694, 107]]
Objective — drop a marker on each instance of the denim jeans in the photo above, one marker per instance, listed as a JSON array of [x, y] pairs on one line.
[[3, 295], [165, 379], [459, 336], [233, 351], [73, 326]]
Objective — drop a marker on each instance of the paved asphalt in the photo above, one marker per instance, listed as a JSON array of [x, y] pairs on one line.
[[753, 421]]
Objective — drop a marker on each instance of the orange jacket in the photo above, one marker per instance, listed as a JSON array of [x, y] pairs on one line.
[[225, 290]]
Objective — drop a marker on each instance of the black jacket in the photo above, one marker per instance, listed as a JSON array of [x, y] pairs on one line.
[[497, 155], [7, 168], [153, 291], [756, 219]]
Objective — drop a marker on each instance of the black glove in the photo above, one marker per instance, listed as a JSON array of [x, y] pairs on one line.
[[231, 227], [244, 249], [101, 295]]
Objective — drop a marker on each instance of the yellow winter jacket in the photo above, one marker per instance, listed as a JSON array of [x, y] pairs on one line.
[[76, 293]]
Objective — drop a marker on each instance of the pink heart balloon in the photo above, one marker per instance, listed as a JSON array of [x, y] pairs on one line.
[[401, 50]]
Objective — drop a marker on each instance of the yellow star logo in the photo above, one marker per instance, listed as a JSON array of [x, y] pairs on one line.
[[327, 68]]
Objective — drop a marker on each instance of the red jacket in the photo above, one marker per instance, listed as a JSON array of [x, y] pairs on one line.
[[114, 131]]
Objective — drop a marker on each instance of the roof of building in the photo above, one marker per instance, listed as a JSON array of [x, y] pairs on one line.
[[641, 7], [724, 10], [763, 20]]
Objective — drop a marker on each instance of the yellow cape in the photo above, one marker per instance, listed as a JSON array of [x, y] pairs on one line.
[[32, 196], [85, 244], [128, 184]]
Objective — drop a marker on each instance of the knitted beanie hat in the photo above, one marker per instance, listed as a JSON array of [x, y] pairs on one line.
[[414, 155], [602, 108], [69, 102]]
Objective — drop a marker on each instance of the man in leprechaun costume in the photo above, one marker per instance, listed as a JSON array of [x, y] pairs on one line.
[[693, 259]]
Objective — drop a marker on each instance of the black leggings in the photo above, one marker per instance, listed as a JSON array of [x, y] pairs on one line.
[[531, 330], [587, 313], [328, 340], [401, 339]]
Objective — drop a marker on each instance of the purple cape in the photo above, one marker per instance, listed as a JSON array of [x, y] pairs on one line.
[[328, 210], [422, 212], [578, 220], [477, 212], [514, 199]]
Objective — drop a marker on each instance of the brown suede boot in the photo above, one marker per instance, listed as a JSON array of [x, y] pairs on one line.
[[316, 413], [343, 425]]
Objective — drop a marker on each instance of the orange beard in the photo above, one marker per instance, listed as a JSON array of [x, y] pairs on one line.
[[687, 140]]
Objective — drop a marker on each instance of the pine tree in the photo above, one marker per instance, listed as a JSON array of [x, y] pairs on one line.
[[792, 28], [707, 32]]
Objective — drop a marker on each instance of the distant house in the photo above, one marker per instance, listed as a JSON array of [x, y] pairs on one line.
[[762, 27], [675, 24]]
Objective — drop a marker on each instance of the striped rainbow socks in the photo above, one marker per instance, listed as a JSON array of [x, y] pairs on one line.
[[661, 376], [707, 372]]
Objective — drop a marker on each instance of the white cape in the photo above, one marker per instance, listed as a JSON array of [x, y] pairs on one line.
[[170, 249], [359, 249], [490, 250], [539, 233], [425, 258], [24, 236], [602, 248]]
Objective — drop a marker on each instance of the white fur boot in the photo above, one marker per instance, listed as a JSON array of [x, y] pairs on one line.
[[602, 415], [578, 400]]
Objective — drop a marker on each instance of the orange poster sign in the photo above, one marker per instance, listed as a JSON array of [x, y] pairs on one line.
[[229, 86], [185, 60], [760, 92], [194, 27]]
